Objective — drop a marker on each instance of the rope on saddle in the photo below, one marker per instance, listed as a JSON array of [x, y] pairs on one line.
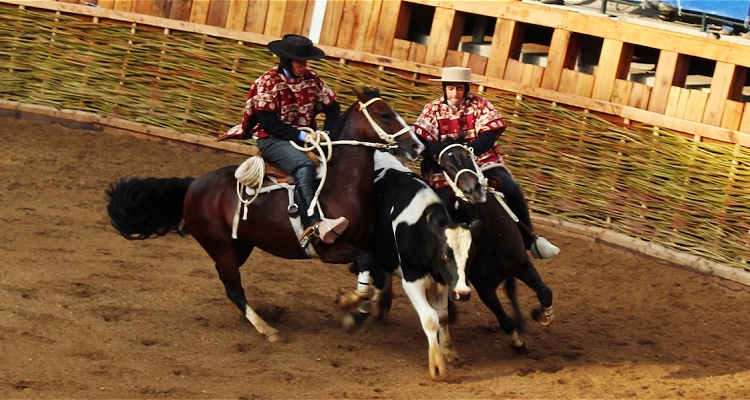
[[249, 174]]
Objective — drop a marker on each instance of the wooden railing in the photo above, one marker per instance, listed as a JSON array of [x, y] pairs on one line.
[[713, 110]]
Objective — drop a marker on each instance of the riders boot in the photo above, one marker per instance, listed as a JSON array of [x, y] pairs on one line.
[[540, 247], [327, 229]]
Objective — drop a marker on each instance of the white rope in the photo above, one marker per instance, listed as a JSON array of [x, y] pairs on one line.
[[249, 173]]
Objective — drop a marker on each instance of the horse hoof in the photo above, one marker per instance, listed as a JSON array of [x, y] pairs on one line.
[[350, 299], [352, 321], [520, 349], [540, 316], [275, 337]]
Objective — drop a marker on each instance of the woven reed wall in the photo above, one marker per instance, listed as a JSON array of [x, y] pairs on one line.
[[653, 185]]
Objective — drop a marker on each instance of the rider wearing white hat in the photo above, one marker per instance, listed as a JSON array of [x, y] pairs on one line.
[[459, 111]]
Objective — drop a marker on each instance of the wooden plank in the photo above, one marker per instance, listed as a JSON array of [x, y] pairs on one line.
[[614, 64], [307, 23], [255, 17], [294, 17], [417, 52], [453, 58], [724, 79], [745, 120], [445, 35], [108, 4], [532, 74], [400, 49], [478, 64], [514, 71], [217, 13], [363, 11], [639, 95], [348, 21], [179, 10], [160, 8], [732, 115], [237, 14], [199, 11], [682, 104], [697, 101], [568, 81], [584, 84], [507, 41], [124, 5], [331, 22], [275, 18], [563, 51], [142, 7], [672, 101], [370, 36], [621, 91], [387, 25]]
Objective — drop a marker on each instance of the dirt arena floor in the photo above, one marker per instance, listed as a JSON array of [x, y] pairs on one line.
[[85, 313]]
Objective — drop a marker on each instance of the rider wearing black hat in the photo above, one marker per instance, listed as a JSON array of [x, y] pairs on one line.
[[280, 102]]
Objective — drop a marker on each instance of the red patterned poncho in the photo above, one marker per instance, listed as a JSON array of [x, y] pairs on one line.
[[440, 121], [297, 100]]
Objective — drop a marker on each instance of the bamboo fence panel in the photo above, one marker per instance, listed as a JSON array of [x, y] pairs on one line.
[[647, 183]]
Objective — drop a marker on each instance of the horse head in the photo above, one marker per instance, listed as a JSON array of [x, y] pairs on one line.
[[379, 123], [460, 170]]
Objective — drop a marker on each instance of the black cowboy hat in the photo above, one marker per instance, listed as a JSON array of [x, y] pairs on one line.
[[296, 47]]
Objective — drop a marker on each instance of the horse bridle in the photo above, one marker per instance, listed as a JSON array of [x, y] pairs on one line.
[[476, 172], [390, 139]]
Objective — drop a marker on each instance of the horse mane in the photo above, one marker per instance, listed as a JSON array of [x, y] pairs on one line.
[[338, 127]]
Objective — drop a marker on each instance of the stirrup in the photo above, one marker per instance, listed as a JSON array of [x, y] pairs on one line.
[[542, 249], [310, 233], [330, 229]]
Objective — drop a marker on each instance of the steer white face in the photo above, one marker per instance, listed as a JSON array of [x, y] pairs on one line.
[[459, 240]]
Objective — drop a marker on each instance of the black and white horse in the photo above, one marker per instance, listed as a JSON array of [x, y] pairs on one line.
[[416, 240]]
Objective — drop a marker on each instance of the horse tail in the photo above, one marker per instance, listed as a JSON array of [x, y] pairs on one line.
[[510, 291], [140, 208]]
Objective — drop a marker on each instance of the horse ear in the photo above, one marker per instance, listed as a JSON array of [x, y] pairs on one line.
[[359, 94]]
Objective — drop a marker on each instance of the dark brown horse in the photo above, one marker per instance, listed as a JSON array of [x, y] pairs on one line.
[[142, 208], [500, 252]]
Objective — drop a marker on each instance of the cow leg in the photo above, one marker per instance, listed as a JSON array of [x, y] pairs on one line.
[[531, 278], [488, 295], [440, 304], [430, 322]]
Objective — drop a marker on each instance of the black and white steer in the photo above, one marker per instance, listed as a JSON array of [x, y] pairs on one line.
[[416, 240]]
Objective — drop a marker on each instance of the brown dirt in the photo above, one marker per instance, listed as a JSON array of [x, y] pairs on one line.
[[86, 314]]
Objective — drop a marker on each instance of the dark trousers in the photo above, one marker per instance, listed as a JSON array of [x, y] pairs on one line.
[[283, 154]]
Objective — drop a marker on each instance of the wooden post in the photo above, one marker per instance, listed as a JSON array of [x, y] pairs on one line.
[[444, 35], [614, 63], [671, 70], [726, 85], [563, 52], [507, 41]]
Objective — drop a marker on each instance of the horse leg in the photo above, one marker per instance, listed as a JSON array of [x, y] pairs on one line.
[[488, 295], [228, 264], [366, 263], [430, 322], [440, 304], [531, 278], [356, 318]]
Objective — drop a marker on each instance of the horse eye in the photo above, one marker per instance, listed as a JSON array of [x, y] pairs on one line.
[[385, 116]]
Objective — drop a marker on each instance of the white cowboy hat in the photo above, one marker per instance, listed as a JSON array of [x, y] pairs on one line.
[[458, 75]]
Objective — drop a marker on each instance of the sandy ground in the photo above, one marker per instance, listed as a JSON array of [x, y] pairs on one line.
[[86, 314]]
